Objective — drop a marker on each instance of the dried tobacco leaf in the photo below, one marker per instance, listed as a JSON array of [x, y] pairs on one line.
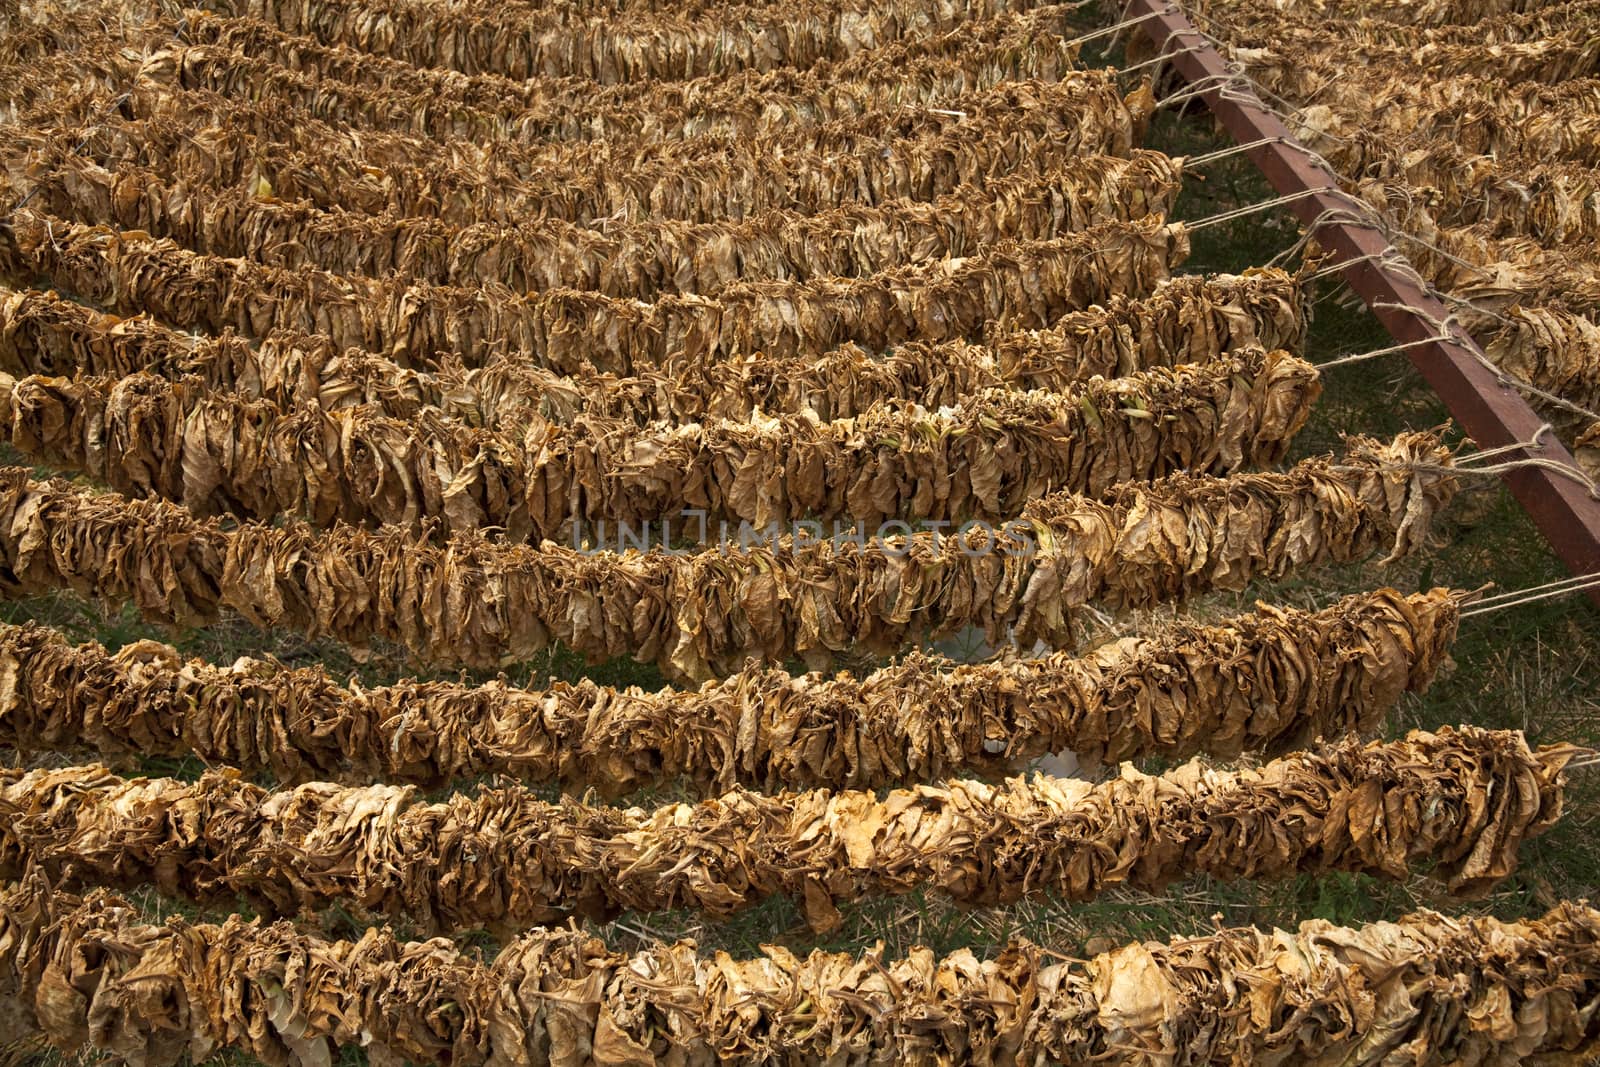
[[1521, 48], [644, 259], [1018, 44], [473, 601], [1470, 13], [209, 141], [1488, 180], [1015, 284], [1481, 113], [1460, 802], [540, 42], [1091, 106], [1384, 23], [251, 61], [1551, 201], [640, 259], [1586, 450], [1265, 681], [221, 454], [1440, 989], [1187, 319]]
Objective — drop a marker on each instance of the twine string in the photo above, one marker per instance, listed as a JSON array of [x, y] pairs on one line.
[[1362, 357], [1191, 162], [1252, 209], [1519, 597]]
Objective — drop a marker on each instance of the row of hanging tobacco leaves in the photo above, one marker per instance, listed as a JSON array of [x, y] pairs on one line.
[[352, 318], [1485, 174]]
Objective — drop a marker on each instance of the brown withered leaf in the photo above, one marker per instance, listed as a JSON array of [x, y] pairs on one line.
[[1020, 284], [1462, 802], [1186, 320], [220, 454], [1428, 984], [1269, 681], [644, 259], [473, 601]]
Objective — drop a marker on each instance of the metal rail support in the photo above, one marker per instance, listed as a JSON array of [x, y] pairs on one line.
[[1493, 413]]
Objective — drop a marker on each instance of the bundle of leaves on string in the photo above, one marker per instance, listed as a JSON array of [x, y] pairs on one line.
[[1450, 52], [943, 14], [705, 613], [1483, 115], [1467, 14], [145, 88], [745, 106], [1586, 450], [1530, 307], [560, 43], [983, 458], [1087, 112], [1548, 347], [1266, 681], [209, 141], [1550, 201], [1015, 285], [976, 53], [748, 108], [1379, 105], [641, 259], [1187, 319], [1460, 802], [96, 974], [1258, 24], [1494, 274], [1473, 263]]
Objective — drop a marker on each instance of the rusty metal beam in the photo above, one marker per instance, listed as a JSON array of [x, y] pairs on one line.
[[1493, 413]]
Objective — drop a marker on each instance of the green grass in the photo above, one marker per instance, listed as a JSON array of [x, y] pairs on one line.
[[1534, 668]]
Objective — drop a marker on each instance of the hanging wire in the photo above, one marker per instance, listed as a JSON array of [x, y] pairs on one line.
[[1241, 212], [1345, 264], [1519, 597], [1505, 378], [1211, 83], [1533, 443], [1351, 213], [1190, 162], [1563, 470], [1362, 357], [1496, 470], [1571, 581], [1158, 60]]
